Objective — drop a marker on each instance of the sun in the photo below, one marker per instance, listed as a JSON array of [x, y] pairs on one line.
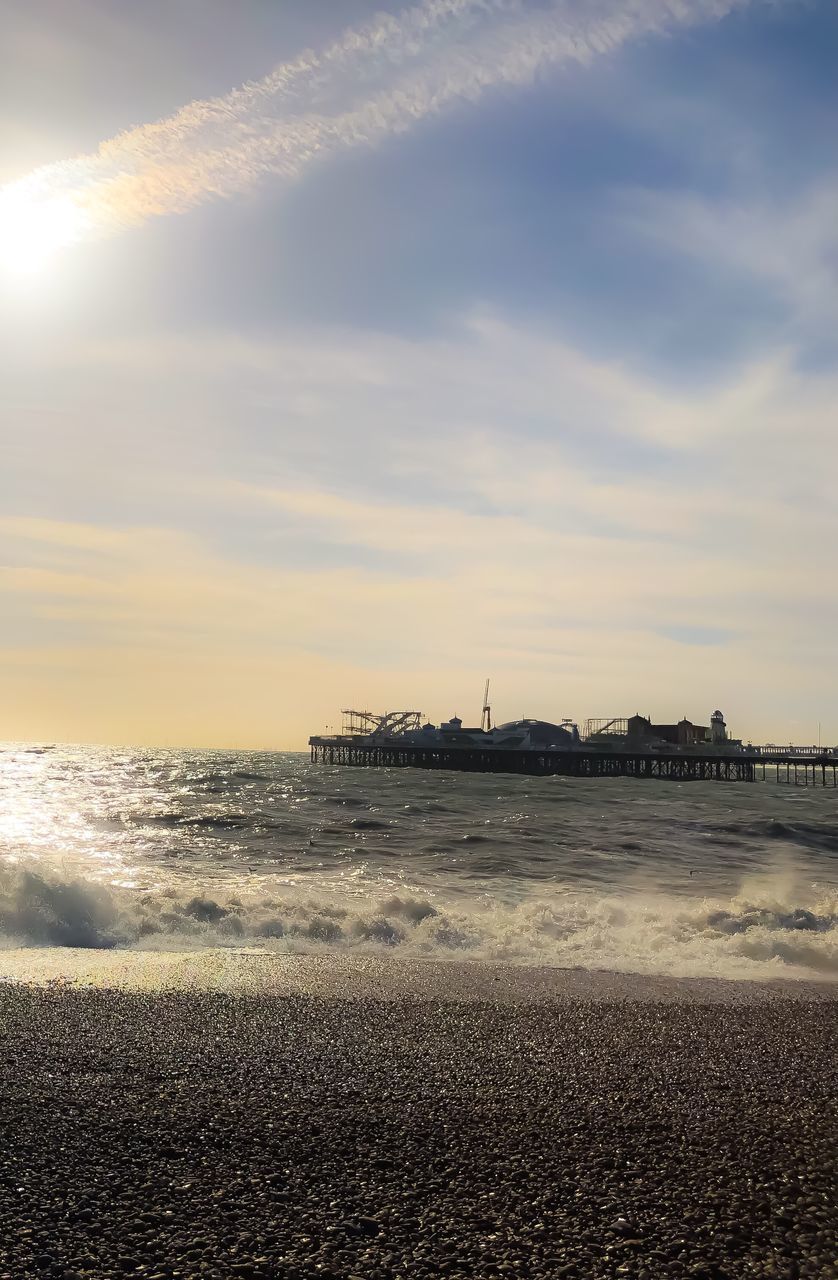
[[35, 227]]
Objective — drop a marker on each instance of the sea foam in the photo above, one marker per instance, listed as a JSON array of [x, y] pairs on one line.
[[765, 931]]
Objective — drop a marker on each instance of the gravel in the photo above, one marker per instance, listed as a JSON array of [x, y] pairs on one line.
[[198, 1134]]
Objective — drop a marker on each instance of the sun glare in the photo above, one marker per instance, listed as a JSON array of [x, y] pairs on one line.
[[34, 228]]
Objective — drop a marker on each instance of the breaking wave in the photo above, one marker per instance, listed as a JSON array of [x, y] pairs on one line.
[[763, 932]]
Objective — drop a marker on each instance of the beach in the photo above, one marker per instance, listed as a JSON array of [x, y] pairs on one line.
[[348, 1117]]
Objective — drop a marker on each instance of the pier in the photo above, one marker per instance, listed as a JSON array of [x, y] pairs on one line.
[[750, 766]]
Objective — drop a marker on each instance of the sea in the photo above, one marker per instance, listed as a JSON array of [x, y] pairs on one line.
[[164, 850]]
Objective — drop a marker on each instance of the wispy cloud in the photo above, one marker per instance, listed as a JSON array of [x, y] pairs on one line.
[[376, 81], [787, 246], [430, 494]]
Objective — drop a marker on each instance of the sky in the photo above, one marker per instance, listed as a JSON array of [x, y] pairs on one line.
[[352, 353]]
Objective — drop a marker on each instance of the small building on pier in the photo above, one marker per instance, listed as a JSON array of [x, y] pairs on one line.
[[641, 733]]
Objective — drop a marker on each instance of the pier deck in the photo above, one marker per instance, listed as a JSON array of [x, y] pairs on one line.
[[582, 763]]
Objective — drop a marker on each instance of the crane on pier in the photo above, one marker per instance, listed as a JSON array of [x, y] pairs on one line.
[[486, 716]]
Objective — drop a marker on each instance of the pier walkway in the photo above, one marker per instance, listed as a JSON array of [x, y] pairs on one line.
[[797, 770]]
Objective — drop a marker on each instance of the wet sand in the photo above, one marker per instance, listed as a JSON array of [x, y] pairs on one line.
[[357, 976], [325, 1118]]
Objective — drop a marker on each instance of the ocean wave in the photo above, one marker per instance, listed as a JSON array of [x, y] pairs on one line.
[[819, 836], [766, 931]]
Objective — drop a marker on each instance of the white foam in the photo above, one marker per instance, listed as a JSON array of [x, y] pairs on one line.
[[772, 928]]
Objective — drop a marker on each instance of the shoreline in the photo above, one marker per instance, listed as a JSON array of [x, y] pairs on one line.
[[357, 977]]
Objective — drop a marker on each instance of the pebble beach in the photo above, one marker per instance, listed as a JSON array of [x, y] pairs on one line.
[[353, 1119]]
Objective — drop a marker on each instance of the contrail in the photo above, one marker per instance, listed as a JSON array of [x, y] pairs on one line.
[[374, 82]]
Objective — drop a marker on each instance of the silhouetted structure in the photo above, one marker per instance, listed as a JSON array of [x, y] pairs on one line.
[[631, 748]]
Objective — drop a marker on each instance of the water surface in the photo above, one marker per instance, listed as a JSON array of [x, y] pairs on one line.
[[166, 849]]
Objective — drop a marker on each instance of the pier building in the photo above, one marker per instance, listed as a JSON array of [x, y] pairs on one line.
[[633, 747]]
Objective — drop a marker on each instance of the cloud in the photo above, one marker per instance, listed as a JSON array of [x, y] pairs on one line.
[[167, 639], [494, 420], [375, 82], [391, 519], [697, 635], [431, 524], [786, 245]]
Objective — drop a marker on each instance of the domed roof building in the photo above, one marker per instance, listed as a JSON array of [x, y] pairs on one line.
[[538, 735]]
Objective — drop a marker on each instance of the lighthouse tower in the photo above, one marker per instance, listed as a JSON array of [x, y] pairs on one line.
[[718, 729]]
